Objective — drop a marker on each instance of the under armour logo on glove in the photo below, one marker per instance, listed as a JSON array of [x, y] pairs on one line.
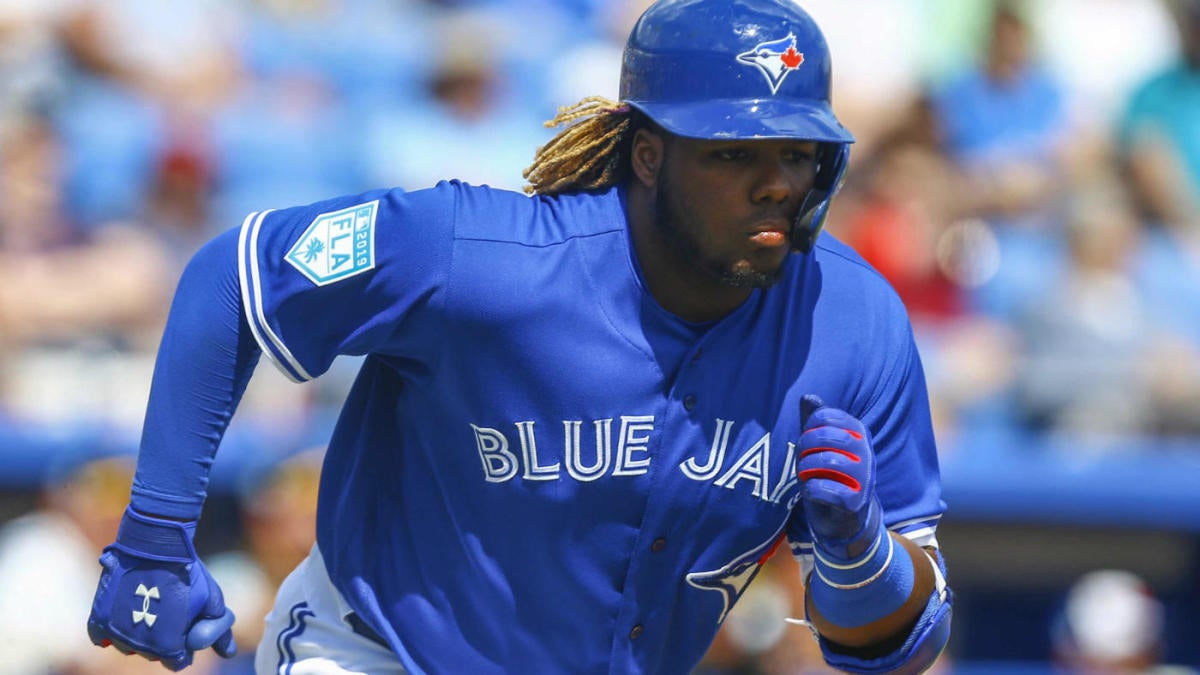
[[146, 595], [153, 565]]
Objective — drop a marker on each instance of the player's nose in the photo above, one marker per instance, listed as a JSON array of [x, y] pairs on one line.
[[774, 182]]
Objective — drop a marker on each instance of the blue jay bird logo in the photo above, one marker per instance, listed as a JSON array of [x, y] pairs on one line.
[[774, 59], [732, 579]]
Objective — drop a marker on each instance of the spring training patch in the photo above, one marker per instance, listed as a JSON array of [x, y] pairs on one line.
[[338, 245]]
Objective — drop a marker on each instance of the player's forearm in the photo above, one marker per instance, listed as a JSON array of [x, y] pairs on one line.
[[204, 362], [895, 620], [888, 632]]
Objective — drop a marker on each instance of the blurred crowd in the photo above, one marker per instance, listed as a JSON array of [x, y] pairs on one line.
[[1027, 176]]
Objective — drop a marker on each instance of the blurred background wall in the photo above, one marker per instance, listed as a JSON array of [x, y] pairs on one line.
[[1026, 175]]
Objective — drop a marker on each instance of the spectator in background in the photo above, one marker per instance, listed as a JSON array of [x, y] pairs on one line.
[[179, 205], [316, 72], [1159, 134], [1004, 126], [1096, 364], [904, 196], [278, 503], [75, 300], [468, 103], [1084, 339], [32, 67], [1159, 143], [288, 137], [1111, 624], [179, 56], [33, 216], [66, 283], [144, 74], [369, 51], [1078, 39], [1003, 121], [280, 511], [589, 64]]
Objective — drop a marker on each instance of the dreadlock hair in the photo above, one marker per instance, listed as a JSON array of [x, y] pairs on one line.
[[591, 151]]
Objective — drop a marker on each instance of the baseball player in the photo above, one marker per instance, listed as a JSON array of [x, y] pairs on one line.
[[585, 417]]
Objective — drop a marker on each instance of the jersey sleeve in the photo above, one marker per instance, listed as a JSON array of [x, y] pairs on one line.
[[205, 359], [341, 276], [907, 475]]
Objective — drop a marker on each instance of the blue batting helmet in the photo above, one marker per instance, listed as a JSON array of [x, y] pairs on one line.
[[740, 69]]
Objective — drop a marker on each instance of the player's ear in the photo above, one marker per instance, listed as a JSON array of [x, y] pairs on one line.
[[646, 156]]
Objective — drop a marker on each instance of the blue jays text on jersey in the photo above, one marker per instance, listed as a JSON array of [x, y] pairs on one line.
[[630, 457], [538, 469]]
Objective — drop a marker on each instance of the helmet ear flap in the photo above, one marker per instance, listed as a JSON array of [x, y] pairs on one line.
[[832, 159]]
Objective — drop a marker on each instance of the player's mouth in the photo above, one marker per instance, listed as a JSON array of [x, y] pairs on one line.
[[771, 233]]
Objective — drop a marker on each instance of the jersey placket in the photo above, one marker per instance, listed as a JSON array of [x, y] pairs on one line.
[[658, 563]]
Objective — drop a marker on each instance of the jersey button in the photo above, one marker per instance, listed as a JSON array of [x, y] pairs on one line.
[[636, 632], [689, 401], [658, 544]]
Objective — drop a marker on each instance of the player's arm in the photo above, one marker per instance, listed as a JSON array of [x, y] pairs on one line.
[[301, 285], [877, 601], [155, 597]]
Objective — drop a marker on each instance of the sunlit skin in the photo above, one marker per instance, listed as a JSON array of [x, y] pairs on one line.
[[710, 219]]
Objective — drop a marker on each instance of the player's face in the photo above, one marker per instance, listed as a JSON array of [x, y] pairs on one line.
[[728, 206]]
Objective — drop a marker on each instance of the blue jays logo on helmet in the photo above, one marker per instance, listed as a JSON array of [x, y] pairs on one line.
[[775, 59], [733, 578]]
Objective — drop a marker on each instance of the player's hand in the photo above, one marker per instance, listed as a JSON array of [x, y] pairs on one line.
[[155, 598], [837, 477]]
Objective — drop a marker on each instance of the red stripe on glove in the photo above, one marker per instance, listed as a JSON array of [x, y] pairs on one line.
[[830, 474], [853, 434], [845, 453]]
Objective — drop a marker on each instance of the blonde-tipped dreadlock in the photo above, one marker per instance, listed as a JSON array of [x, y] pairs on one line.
[[587, 154]]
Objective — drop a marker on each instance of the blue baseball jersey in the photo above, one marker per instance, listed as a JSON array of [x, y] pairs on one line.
[[539, 469]]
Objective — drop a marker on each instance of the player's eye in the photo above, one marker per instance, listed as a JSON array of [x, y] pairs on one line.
[[801, 156], [730, 154]]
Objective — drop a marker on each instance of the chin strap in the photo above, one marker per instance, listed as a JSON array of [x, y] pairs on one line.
[[804, 230], [831, 170]]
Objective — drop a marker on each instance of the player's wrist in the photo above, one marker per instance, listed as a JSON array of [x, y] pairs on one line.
[[848, 545], [166, 506], [864, 590], [155, 538], [904, 641], [851, 573]]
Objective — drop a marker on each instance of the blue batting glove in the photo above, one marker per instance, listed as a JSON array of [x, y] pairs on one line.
[[155, 598], [837, 475]]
